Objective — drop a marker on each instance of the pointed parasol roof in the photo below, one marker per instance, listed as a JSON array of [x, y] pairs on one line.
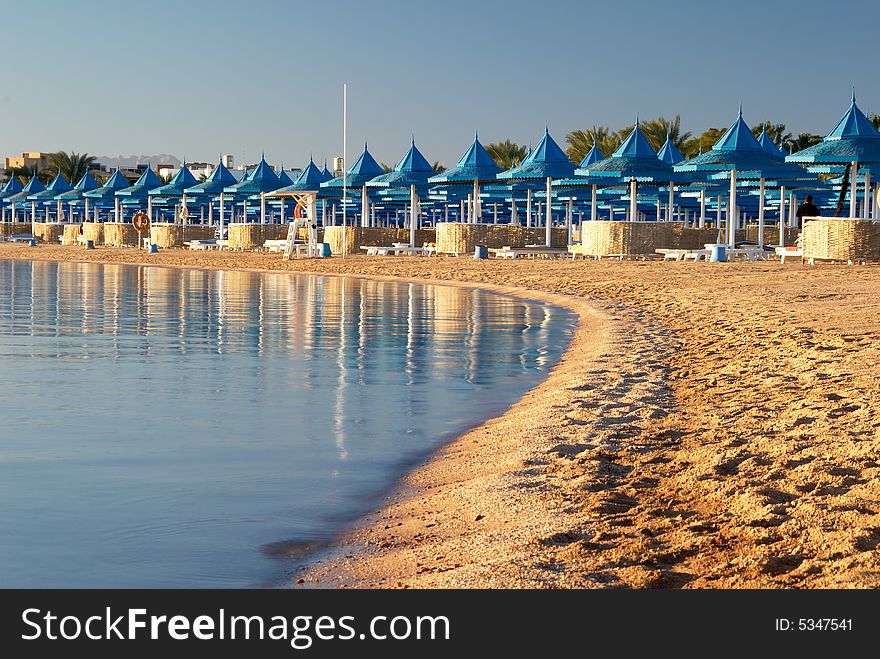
[[326, 172], [309, 181], [364, 169], [58, 185], [108, 191], [413, 169], [593, 155], [669, 153], [475, 165], [284, 177], [219, 179], [178, 185], [262, 179], [33, 186], [854, 138], [547, 160], [12, 187], [86, 183], [768, 145], [141, 188], [738, 150], [634, 158]]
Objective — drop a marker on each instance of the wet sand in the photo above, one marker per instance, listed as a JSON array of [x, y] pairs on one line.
[[711, 426]]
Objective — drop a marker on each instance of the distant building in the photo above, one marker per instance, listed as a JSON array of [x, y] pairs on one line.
[[228, 161], [29, 159]]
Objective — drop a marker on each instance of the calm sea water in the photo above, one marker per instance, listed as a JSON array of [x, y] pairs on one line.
[[184, 428]]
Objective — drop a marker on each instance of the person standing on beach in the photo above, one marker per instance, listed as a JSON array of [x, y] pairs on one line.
[[807, 209]]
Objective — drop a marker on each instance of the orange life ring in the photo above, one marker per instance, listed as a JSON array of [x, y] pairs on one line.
[[299, 212], [141, 221]]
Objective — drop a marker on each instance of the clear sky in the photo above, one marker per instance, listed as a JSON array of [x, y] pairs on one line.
[[198, 78]]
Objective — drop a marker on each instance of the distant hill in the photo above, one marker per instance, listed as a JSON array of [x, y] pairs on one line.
[[133, 161]]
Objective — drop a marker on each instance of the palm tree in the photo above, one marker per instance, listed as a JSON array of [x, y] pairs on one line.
[[656, 131], [581, 141], [803, 140], [437, 167], [25, 174], [386, 168], [707, 140], [776, 132], [72, 166], [507, 154], [875, 119]]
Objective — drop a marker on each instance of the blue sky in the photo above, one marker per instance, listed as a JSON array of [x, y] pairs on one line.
[[198, 78]]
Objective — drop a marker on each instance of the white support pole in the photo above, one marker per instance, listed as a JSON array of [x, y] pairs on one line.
[[548, 234], [853, 188], [282, 212], [344, 163], [468, 209], [478, 209], [365, 207], [262, 208], [594, 205], [718, 215], [150, 208], [446, 212], [495, 213], [866, 199], [782, 216], [85, 210], [569, 221], [633, 200], [703, 208], [222, 210], [413, 210], [670, 207], [732, 211], [528, 208], [761, 192]]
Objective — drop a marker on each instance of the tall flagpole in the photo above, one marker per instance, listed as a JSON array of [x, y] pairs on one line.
[[344, 162]]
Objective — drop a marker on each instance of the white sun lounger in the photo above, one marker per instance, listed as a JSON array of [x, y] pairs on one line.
[[783, 252]]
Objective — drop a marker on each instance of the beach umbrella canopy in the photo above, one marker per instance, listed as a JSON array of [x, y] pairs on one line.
[[86, 183], [308, 181], [33, 186], [364, 169], [12, 187], [328, 175], [669, 153], [141, 188], [283, 177], [178, 185], [58, 185], [475, 165], [593, 156], [739, 150], [635, 158], [546, 161], [768, 145], [219, 179], [262, 179], [108, 191], [853, 139], [413, 169]]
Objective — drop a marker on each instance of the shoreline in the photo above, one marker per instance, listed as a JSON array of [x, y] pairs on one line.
[[710, 427]]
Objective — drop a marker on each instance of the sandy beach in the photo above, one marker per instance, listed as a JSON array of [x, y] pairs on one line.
[[710, 426]]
